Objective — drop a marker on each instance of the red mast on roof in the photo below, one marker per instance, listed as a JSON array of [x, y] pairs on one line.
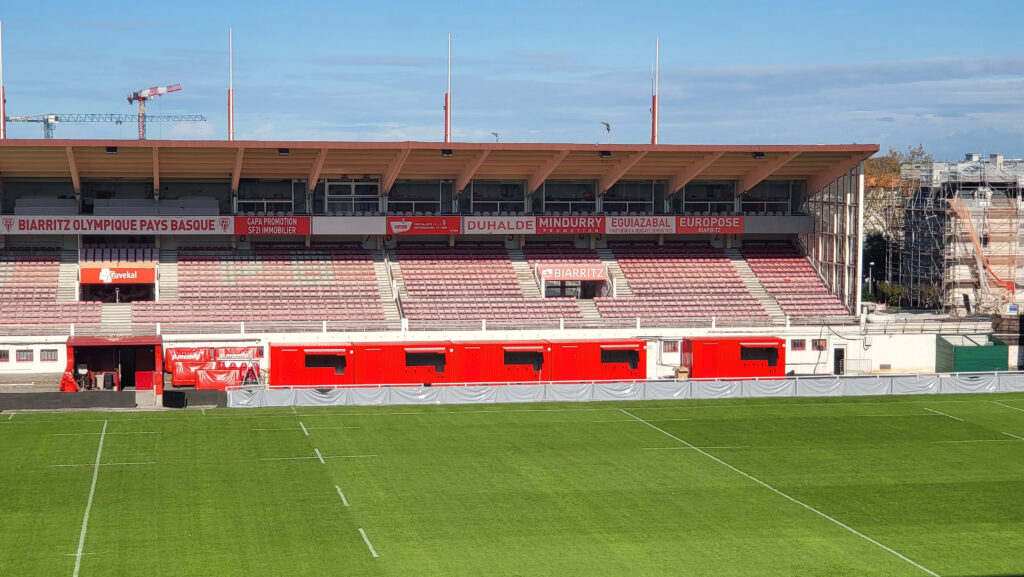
[[448, 97], [148, 94]]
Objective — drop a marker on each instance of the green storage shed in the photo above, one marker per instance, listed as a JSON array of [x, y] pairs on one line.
[[970, 353]]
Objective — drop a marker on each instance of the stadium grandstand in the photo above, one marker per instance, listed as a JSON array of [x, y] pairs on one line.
[[112, 251]]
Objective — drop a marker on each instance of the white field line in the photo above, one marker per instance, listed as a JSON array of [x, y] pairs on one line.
[[293, 410], [978, 441], [697, 448], [329, 428], [1014, 436], [616, 421], [943, 414], [1007, 406], [368, 544], [344, 501], [202, 410], [319, 456], [107, 464], [633, 421], [11, 417], [787, 497], [304, 428], [122, 433], [88, 504]]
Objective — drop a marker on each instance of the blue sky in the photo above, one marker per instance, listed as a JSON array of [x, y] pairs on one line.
[[949, 75]]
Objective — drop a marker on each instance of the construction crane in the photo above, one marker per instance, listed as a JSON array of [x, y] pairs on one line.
[[49, 121], [148, 94]]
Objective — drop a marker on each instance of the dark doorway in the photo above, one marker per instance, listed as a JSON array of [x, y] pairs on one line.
[[838, 361]]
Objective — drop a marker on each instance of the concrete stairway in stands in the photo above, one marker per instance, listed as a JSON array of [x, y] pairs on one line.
[[396, 272], [116, 317], [387, 301], [615, 272], [589, 310], [67, 276], [750, 280], [524, 273], [168, 275]]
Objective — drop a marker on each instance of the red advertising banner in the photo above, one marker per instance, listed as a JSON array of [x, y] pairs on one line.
[[640, 225], [570, 224], [118, 276], [499, 225], [194, 354], [559, 272], [272, 225], [710, 225], [116, 225], [424, 225]]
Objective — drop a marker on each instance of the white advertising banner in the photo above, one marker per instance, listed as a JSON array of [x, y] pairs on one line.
[[640, 225], [116, 225], [349, 225], [499, 225]]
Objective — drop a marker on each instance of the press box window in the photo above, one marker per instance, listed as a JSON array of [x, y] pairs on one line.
[[48, 355], [24, 356], [819, 344], [535, 359], [435, 360], [336, 362], [798, 345], [769, 354], [632, 357]]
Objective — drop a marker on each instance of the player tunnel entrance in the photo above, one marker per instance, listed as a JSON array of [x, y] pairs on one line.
[[114, 363]]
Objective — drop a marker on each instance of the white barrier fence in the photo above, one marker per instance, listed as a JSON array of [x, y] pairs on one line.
[[626, 391]]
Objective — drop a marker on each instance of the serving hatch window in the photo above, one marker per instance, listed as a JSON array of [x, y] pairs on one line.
[[425, 359], [335, 361], [629, 356], [760, 353]]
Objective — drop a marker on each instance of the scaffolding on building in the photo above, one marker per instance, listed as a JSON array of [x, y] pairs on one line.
[[961, 234]]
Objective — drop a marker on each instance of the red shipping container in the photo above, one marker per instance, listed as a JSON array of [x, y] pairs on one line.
[[734, 357], [502, 362], [575, 361], [304, 365]]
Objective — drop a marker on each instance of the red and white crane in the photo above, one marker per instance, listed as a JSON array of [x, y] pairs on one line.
[[149, 94]]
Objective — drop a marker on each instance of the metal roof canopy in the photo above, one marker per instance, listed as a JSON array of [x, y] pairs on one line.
[[156, 160]]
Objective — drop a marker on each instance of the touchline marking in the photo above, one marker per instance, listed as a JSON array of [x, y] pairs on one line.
[[122, 433], [329, 428], [943, 414], [978, 441], [304, 428], [1007, 406], [784, 495], [107, 464], [342, 495], [202, 410], [368, 544], [697, 448], [11, 417], [350, 456], [293, 410], [319, 456], [1014, 436], [88, 504]]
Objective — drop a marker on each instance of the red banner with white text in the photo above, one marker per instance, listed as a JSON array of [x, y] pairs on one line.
[[118, 276], [709, 225], [272, 225]]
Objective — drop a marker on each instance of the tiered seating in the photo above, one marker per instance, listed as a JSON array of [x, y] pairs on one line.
[[270, 311], [42, 313], [560, 253], [29, 274], [119, 254], [679, 281], [272, 284], [277, 273], [790, 279], [471, 270], [470, 282]]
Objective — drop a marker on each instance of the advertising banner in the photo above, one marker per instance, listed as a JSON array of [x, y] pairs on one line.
[[640, 225], [193, 354], [710, 225], [499, 225], [116, 225], [118, 275], [424, 225], [570, 224], [562, 272], [361, 225], [272, 225]]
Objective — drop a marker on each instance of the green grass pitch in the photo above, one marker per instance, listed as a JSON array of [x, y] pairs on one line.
[[873, 486]]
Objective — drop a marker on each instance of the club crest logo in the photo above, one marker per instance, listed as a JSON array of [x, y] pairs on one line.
[[224, 224], [106, 275], [8, 224]]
